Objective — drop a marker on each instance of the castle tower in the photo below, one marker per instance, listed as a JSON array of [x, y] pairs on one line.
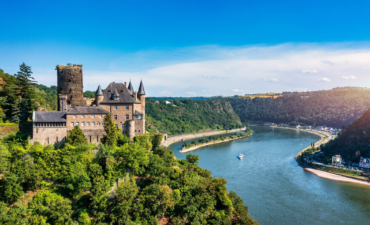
[[141, 96], [70, 83], [131, 88], [98, 96]]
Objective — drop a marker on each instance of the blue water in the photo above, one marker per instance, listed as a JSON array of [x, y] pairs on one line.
[[275, 188]]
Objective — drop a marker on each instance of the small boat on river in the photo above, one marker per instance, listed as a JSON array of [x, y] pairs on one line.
[[240, 156]]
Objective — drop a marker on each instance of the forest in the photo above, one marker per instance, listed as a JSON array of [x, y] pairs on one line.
[[117, 182], [353, 142], [332, 108], [189, 116]]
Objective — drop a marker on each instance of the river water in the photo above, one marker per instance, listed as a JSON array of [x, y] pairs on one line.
[[275, 188]]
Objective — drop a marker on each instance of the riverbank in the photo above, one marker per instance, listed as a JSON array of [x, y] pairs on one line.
[[212, 143], [321, 173], [178, 138]]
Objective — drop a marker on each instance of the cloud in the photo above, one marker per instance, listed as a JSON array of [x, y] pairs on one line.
[[328, 62], [215, 68], [324, 79], [309, 71], [270, 79], [349, 77], [237, 90], [190, 93], [165, 93]]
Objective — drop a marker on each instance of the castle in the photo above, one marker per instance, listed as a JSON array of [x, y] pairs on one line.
[[126, 106]]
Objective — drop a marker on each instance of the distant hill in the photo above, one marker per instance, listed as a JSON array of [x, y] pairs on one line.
[[353, 142], [337, 107], [188, 116], [181, 98]]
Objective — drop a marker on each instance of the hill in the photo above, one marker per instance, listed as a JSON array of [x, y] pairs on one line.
[[353, 142], [334, 108], [188, 116]]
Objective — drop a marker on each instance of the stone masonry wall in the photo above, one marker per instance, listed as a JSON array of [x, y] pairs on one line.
[[70, 83], [48, 135]]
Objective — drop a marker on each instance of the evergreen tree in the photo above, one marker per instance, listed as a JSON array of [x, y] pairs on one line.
[[23, 111], [110, 137], [16, 112], [76, 137]]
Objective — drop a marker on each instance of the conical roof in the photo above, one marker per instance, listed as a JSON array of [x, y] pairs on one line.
[[130, 87], [141, 89], [99, 91], [116, 93]]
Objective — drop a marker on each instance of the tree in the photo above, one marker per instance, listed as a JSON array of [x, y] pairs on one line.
[[76, 137], [10, 188], [110, 137], [23, 111], [193, 159], [3, 158], [16, 112]]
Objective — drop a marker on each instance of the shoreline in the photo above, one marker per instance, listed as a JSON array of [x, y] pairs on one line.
[[321, 173], [178, 138], [210, 143]]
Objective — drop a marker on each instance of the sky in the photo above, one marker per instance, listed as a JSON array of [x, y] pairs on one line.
[[192, 48]]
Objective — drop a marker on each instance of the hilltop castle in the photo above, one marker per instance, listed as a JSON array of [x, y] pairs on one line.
[[126, 106]]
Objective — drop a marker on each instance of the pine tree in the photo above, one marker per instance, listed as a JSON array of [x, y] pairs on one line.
[[26, 88], [76, 137], [110, 137], [23, 111], [16, 112]]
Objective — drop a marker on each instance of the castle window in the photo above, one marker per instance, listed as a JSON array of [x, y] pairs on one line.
[[92, 116], [74, 116], [82, 124], [138, 117], [115, 98], [37, 130], [127, 107], [116, 126], [139, 131], [92, 123], [123, 126], [82, 116], [115, 107], [115, 117], [100, 116], [98, 124], [72, 124], [88, 124], [102, 123], [77, 124], [127, 117]]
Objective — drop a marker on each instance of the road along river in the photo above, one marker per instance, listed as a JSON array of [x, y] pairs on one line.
[[275, 188]]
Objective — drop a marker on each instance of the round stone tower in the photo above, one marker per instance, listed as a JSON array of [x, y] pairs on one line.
[[98, 96], [70, 83]]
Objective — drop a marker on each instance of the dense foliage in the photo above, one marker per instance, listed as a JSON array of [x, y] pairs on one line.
[[188, 116], [331, 108], [353, 142], [113, 183]]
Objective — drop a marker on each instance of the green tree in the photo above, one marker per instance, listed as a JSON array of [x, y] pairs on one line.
[[110, 137], [10, 188], [193, 159], [16, 112], [76, 136], [3, 158]]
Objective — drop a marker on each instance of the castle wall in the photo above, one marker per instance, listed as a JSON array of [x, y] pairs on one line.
[[49, 133], [87, 120], [70, 83], [121, 113]]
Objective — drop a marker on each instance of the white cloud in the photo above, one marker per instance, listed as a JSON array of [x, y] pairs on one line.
[[328, 62], [270, 79], [215, 68], [349, 77], [165, 93], [237, 90], [309, 71], [324, 79], [190, 93]]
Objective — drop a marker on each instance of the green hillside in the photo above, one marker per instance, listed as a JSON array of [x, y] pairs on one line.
[[188, 116], [331, 108]]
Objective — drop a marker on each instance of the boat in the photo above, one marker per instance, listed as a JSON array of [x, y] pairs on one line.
[[240, 156]]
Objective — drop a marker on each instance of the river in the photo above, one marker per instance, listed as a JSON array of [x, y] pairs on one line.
[[275, 188]]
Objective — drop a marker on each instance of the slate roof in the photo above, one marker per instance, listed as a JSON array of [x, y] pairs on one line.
[[44, 116], [125, 96], [141, 89], [99, 91], [131, 88], [138, 113], [86, 110]]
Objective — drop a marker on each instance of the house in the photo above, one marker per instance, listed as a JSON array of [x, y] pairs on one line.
[[298, 126], [364, 162], [336, 159]]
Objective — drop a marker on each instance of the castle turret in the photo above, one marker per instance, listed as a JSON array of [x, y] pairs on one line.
[[141, 96], [70, 83], [130, 87], [98, 96]]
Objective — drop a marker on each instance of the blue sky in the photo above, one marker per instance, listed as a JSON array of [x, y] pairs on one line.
[[192, 48]]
